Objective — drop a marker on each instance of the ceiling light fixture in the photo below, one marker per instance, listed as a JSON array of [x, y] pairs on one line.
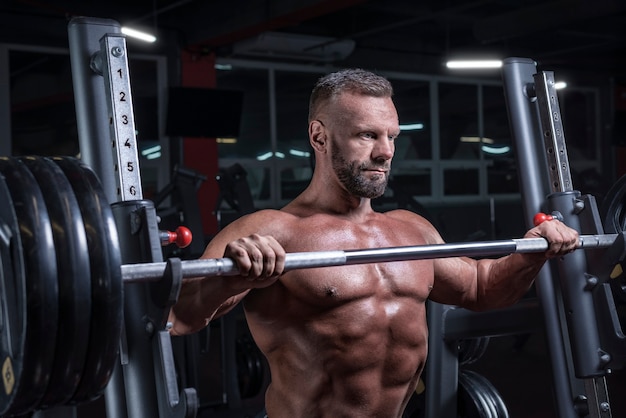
[[134, 33], [299, 153], [473, 64], [477, 139], [151, 153], [412, 127], [270, 154], [496, 150], [226, 140], [560, 85], [151, 150]]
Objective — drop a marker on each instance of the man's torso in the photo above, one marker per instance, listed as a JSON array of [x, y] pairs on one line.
[[349, 340]]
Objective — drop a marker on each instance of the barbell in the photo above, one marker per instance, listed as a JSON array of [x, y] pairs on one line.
[[302, 260], [62, 279]]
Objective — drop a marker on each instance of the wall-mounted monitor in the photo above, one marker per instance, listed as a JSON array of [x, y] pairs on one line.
[[203, 112]]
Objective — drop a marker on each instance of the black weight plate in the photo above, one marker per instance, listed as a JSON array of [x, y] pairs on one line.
[[472, 349], [489, 393], [40, 268], [613, 205], [501, 409], [613, 214], [472, 403], [106, 278], [73, 279], [13, 305]]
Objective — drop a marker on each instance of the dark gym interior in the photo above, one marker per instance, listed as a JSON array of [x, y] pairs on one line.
[[220, 103]]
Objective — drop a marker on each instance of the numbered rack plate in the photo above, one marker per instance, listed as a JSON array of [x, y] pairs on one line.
[[117, 81]]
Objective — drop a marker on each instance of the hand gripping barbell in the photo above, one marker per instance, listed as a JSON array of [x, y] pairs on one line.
[[61, 279], [303, 260]]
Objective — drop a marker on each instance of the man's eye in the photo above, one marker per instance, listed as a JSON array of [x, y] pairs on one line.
[[367, 135]]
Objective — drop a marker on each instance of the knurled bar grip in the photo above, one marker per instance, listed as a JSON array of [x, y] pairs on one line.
[[226, 267]]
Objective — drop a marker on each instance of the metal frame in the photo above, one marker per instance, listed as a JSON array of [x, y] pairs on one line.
[[145, 383], [141, 388], [524, 116], [569, 307]]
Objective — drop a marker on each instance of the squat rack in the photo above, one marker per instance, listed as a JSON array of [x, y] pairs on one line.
[[573, 298], [145, 383]]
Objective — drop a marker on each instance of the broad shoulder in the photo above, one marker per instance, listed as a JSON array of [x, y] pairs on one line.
[[310, 231], [416, 222], [263, 222]]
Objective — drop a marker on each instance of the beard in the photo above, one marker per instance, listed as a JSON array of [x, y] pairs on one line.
[[350, 174]]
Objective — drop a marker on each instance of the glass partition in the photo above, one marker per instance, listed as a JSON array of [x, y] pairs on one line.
[[455, 146]]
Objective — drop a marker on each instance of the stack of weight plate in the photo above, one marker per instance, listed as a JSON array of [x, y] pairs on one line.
[[61, 286], [478, 398], [614, 221]]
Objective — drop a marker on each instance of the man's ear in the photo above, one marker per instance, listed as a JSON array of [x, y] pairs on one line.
[[317, 135]]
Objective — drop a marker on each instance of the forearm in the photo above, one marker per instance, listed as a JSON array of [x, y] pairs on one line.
[[504, 281], [199, 302]]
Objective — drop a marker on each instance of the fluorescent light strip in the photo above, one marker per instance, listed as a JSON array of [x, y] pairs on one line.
[[412, 127], [496, 150], [151, 150], [473, 64], [226, 140], [270, 154], [133, 33], [153, 155], [476, 139], [298, 153]]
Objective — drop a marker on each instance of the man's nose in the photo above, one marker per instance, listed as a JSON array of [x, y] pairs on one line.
[[383, 149]]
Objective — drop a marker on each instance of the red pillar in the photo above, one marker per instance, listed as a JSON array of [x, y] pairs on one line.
[[200, 154]]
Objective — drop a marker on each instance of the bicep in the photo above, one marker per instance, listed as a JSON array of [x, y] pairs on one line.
[[452, 278], [456, 280]]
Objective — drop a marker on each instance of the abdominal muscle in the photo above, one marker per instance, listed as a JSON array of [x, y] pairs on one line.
[[350, 344]]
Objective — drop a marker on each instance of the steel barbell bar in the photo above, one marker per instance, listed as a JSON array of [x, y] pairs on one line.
[[146, 272]]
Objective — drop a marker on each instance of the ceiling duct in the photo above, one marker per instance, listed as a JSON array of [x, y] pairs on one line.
[[295, 47]]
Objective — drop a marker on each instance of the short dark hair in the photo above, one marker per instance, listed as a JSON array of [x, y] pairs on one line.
[[354, 80]]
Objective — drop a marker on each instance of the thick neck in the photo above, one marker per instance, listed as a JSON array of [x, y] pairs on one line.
[[326, 195]]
